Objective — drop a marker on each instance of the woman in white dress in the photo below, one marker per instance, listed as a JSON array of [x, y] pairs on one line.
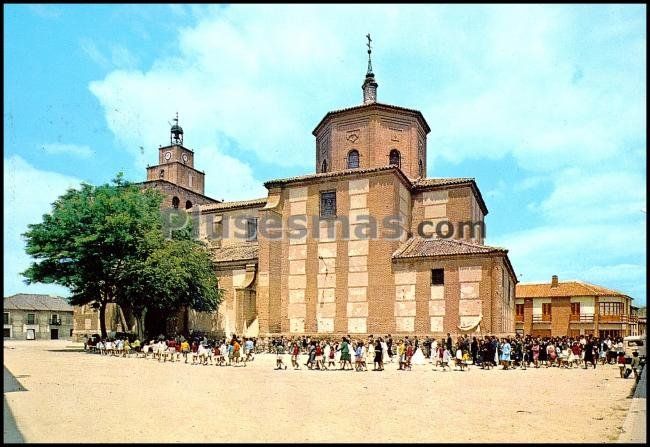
[[326, 354], [384, 352], [418, 357], [434, 352], [370, 352]]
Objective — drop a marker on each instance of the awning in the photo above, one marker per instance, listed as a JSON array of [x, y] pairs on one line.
[[471, 324]]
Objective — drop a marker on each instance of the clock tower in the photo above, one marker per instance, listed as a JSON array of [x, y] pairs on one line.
[[176, 163], [175, 175]]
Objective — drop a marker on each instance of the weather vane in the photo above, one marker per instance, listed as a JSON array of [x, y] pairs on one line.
[[369, 51]]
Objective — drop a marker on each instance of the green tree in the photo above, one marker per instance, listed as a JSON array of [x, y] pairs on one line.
[[106, 244], [178, 274]]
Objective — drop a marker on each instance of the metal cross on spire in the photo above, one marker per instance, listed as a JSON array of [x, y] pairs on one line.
[[369, 52]]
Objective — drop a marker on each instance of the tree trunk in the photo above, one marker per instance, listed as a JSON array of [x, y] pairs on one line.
[[186, 321], [138, 327], [140, 324], [102, 318]]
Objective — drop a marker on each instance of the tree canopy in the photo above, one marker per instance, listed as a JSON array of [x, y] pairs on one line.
[[106, 244]]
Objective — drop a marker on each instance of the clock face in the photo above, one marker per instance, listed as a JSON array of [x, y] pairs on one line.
[[184, 157], [168, 155]]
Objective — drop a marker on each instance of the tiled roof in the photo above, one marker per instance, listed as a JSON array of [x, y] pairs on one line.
[[418, 247], [162, 180], [235, 204], [337, 174], [564, 288], [374, 105], [423, 182], [25, 301], [242, 252]]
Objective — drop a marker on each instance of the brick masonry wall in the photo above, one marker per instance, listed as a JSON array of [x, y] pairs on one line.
[[560, 315], [452, 203], [364, 279], [177, 170], [170, 191], [374, 133], [86, 320]]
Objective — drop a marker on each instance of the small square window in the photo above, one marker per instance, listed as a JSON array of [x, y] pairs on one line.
[[437, 277], [31, 318], [328, 204], [251, 229]]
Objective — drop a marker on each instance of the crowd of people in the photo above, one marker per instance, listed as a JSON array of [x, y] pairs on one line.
[[236, 351], [327, 353]]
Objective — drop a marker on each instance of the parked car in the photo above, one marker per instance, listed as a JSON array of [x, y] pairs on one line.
[[635, 343], [91, 341]]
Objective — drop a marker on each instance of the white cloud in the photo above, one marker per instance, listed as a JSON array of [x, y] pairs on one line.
[[263, 74], [72, 149], [122, 57], [30, 191], [91, 50], [229, 178], [521, 96], [596, 197]]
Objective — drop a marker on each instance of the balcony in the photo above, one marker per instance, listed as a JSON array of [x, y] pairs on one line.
[[544, 318], [582, 318], [55, 322], [519, 318], [612, 318]]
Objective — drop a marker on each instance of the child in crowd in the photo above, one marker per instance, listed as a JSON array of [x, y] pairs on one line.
[[564, 357], [401, 355], [635, 364], [408, 355], [279, 361], [621, 364], [326, 354], [185, 349], [295, 350], [466, 359], [319, 356], [446, 357], [459, 359], [231, 349], [331, 357]]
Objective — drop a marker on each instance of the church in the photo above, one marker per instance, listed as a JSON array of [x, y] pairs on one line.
[[340, 273]]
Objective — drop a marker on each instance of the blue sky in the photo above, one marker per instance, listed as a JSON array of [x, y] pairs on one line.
[[544, 105]]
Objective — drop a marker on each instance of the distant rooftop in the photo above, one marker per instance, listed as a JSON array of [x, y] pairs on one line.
[[26, 301], [564, 289]]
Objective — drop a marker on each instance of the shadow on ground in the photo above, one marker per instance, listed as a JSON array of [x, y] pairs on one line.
[[67, 350], [11, 434]]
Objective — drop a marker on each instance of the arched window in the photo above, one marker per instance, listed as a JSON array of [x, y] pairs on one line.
[[188, 205], [353, 159], [175, 202], [420, 168], [162, 173], [324, 166], [394, 158]]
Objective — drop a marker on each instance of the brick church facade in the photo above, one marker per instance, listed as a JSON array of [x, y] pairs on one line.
[[334, 275], [334, 278]]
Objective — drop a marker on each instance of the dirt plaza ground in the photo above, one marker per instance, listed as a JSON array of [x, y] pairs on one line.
[[72, 396]]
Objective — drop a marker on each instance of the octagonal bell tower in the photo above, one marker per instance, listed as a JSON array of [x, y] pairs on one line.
[[372, 135]]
